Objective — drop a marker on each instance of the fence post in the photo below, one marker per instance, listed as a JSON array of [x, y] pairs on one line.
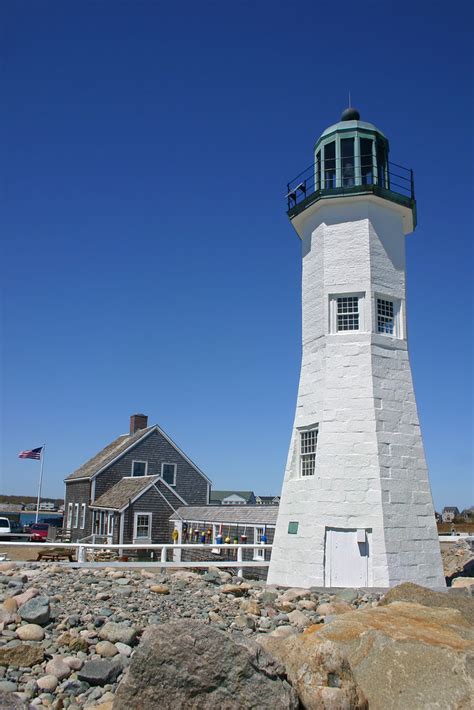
[[163, 553], [81, 554], [240, 571]]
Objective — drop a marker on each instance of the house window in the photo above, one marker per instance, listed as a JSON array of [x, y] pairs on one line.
[[83, 516], [142, 527], [69, 516], [76, 515], [168, 472], [139, 468], [308, 445], [259, 554], [347, 313]]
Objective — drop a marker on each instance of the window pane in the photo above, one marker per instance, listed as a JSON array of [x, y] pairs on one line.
[[366, 161], [143, 526], [381, 164], [385, 316], [330, 165], [168, 473], [139, 468], [308, 445], [317, 177], [347, 159], [348, 313]]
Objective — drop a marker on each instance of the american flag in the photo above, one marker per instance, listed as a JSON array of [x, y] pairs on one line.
[[31, 453]]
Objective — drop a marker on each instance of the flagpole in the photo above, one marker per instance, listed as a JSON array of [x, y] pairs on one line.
[[40, 483]]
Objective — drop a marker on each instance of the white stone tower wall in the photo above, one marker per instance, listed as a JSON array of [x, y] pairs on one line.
[[370, 466]]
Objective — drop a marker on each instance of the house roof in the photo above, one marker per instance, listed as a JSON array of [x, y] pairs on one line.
[[239, 514], [118, 448], [219, 496], [108, 454], [267, 499], [450, 509], [126, 489]]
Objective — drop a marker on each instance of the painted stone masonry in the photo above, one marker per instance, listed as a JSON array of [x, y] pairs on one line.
[[356, 506]]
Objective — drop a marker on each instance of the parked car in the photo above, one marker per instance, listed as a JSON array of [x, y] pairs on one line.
[[9, 528], [38, 532]]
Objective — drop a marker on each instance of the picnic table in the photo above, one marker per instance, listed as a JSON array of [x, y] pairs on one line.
[[56, 553]]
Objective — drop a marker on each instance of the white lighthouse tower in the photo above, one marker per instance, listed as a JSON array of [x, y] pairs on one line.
[[356, 507]]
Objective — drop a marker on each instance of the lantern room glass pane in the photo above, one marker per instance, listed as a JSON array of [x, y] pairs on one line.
[[317, 176], [347, 162], [366, 161], [381, 164], [330, 165]]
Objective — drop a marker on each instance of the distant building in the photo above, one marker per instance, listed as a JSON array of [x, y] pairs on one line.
[[468, 514], [449, 513], [267, 500], [46, 505], [232, 498], [127, 492], [439, 518]]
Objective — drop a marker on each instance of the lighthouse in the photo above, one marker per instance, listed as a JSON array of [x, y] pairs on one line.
[[356, 508]]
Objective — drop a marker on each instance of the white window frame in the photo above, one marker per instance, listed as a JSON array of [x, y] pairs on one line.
[[397, 316], [75, 523], [146, 468], [175, 467], [83, 516], [301, 455], [258, 554], [135, 524], [69, 516], [360, 295]]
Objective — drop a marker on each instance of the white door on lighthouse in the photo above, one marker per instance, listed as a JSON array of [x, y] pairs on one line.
[[348, 560]]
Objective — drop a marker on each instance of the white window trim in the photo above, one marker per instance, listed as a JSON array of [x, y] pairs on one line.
[[168, 463], [397, 316], [139, 461], [333, 312], [135, 521], [301, 430], [83, 516], [258, 554], [76, 516], [69, 516]]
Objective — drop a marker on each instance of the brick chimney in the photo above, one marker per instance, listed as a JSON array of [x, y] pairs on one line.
[[138, 421]]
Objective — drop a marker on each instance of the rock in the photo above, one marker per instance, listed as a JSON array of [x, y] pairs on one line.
[[409, 592], [237, 590], [30, 632], [36, 610], [57, 667], [106, 649], [21, 655], [10, 605], [49, 683], [268, 597], [100, 673], [460, 582], [26, 596], [321, 674], [8, 686], [114, 632], [73, 662], [402, 655], [10, 701], [107, 705], [347, 595], [123, 648], [250, 606], [73, 641], [283, 632], [333, 608], [307, 604], [200, 668], [458, 558], [292, 595], [297, 618], [244, 622], [159, 589]]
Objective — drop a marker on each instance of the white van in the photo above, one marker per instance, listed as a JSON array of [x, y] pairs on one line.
[[9, 527]]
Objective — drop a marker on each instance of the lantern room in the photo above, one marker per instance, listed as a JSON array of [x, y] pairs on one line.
[[351, 157]]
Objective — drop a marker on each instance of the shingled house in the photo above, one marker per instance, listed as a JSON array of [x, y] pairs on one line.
[[128, 491]]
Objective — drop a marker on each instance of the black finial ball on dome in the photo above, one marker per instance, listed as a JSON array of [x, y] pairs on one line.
[[350, 114]]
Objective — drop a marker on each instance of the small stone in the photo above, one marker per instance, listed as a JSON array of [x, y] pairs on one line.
[[36, 610], [106, 649], [73, 662], [114, 632], [26, 596], [297, 618], [58, 668], [237, 590], [307, 604], [244, 622], [332, 608], [7, 686], [250, 606], [10, 605], [123, 648], [48, 683], [99, 672], [159, 589], [122, 581], [30, 632], [347, 595]]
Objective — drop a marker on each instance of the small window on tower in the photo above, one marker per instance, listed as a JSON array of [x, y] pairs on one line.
[[388, 316], [308, 444], [347, 313]]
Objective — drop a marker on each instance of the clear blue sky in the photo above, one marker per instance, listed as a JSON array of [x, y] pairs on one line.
[[148, 263]]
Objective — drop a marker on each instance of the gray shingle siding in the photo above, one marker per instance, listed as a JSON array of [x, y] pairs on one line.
[[78, 492], [156, 450], [149, 502]]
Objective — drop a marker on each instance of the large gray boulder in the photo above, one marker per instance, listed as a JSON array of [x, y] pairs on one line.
[[409, 592], [190, 664]]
